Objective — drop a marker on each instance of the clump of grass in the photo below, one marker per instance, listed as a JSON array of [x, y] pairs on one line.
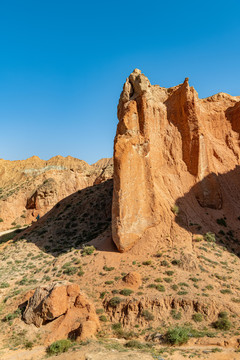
[[176, 315], [209, 237], [147, 315], [58, 347], [106, 268], [126, 292], [4, 285], [113, 302], [197, 317], [177, 335], [147, 262], [88, 250], [103, 318], [175, 209], [223, 323]]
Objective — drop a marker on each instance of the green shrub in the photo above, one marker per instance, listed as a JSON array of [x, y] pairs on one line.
[[113, 302], [177, 335], [147, 315], [223, 315], [4, 285], [135, 344], [175, 209], [197, 317], [70, 270], [174, 287], [222, 324], [176, 262], [108, 268], [1, 220], [103, 318], [182, 292], [126, 292], [209, 237], [109, 282], [176, 315], [147, 262], [88, 250], [160, 287], [117, 326], [58, 347], [11, 316], [226, 291]]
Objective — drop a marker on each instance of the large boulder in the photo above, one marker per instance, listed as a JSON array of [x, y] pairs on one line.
[[65, 311]]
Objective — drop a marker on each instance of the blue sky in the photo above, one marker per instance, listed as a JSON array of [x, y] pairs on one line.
[[63, 64]]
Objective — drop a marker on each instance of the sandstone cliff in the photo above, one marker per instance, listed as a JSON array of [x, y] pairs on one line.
[[168, 141], [33, 186]]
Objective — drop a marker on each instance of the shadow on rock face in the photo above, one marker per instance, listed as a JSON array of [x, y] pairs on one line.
[[213, 205], [74, 221]]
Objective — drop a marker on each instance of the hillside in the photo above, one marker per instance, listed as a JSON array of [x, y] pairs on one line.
[[32, 187], [142, 266]]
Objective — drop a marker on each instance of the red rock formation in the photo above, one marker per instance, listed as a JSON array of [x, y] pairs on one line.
[[167, 141], [33, 186], [64, 310]]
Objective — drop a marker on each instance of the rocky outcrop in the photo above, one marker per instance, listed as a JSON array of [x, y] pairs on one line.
[[65, 310], [132, 280], [156, 310], [167, 141], [32, 187]]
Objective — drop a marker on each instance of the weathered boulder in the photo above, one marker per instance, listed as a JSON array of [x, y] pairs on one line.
[[168, 141], [64, 309], [133, 280]]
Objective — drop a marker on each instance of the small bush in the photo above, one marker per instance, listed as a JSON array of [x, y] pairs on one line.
[[88, 250], [135, 344], [223, 315], [103, 318], [176, 315], [226, 291], [70, 271], [109, 282], [126, 292], [197, 317], [147, 315], [175, 262], [108, 268], [209, 237], [160, 287], [177, 335], [113, 302], [1, 220], [148, 262], [58, 347], [222, 324], [175, 209], [4, 285]]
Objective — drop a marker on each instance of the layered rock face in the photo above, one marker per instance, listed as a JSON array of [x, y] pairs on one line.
[[33, 186], [168, 141]]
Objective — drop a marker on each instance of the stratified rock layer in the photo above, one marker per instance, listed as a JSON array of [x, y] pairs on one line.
[[167, 141]]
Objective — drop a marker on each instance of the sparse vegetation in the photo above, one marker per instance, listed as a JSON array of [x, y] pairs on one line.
[[58, 347], [177, 335]]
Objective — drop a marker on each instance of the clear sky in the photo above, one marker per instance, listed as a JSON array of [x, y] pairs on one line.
[[63, 64]]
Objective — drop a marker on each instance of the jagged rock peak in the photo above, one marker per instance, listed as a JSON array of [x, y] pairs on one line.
[[167, 141]]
